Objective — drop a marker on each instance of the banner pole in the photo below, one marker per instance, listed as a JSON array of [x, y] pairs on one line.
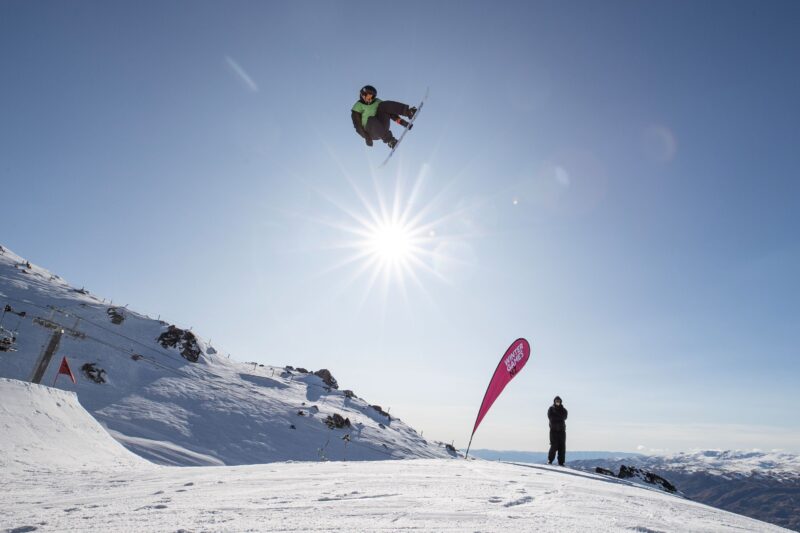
[[468, 445]]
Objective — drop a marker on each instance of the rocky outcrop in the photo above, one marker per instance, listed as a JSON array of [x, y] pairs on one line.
[[337, 421], [94, 373], [116, 315], [184, 340], [380, 410], [327, 378], [633, 472]]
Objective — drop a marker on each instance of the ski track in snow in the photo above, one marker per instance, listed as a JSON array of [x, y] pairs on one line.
[[427, 495]]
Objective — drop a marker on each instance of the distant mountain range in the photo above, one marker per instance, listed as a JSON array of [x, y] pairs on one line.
[[762, 485], [541, 457]]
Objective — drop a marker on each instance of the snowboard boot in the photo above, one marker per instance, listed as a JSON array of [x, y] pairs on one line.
[[402, 122], [411, 112], [392, 143]]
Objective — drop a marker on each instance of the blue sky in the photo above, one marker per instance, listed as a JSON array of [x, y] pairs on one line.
[[616, 182]]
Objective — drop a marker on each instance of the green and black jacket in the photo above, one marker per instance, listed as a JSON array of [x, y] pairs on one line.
[[361, 113]]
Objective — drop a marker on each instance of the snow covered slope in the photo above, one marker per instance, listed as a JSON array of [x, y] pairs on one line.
[[119, 492], [171, 410], [47, 428]]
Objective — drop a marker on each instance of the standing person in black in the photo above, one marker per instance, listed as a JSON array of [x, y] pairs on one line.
[[557, 414]]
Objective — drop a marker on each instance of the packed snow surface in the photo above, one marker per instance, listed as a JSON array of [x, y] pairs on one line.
[[61, 473]]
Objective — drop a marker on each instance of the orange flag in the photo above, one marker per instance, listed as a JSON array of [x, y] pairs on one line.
[[64, 369]]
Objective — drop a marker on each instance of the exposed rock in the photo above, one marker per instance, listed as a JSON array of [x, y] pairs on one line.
[[337, 421], [185, 340], [627, 472], [450, 448], [604, 471], [302, 370], [380, 410], [94, 373], [117, 317], [349, 394], [327, 378]]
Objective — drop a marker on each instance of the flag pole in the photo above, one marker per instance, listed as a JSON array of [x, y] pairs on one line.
[[466, 456]]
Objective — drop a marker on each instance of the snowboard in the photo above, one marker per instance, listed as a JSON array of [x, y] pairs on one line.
[[407, 128]]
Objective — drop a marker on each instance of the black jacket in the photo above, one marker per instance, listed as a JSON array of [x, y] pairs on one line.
[[357, 124], [557, 414]]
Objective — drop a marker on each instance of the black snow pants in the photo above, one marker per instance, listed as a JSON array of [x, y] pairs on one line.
[[378, 126], [558, 443]]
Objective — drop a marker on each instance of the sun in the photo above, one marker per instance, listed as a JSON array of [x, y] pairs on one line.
[[395, 237], [391, 242], [389, 236]]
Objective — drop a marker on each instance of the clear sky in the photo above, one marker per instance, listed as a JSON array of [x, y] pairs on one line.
[[615, 181]]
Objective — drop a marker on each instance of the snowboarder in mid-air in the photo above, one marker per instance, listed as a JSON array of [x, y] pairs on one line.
[[371, 116]]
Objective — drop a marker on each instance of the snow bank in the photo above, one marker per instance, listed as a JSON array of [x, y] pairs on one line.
[[47, 428]]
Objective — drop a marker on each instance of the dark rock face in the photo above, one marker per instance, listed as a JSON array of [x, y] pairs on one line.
[[91, 371], [632, 472], [184, 340], [327, 378], [349, 394], [628, 472], [337, 421], [116, 315], [380, 410]]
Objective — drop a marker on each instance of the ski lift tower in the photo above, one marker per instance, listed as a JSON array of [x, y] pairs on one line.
[[52, 346]]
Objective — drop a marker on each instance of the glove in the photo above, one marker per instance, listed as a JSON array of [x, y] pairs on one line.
[[369, 141]]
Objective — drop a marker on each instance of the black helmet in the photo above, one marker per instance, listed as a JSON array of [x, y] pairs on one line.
[[557, 399], [369, 89]]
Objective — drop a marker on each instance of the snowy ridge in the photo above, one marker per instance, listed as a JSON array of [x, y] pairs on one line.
[[99, 486], [164, 407], [734, 462]]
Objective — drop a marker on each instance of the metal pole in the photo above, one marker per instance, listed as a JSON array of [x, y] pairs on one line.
[[47, 355], [468, 445]]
